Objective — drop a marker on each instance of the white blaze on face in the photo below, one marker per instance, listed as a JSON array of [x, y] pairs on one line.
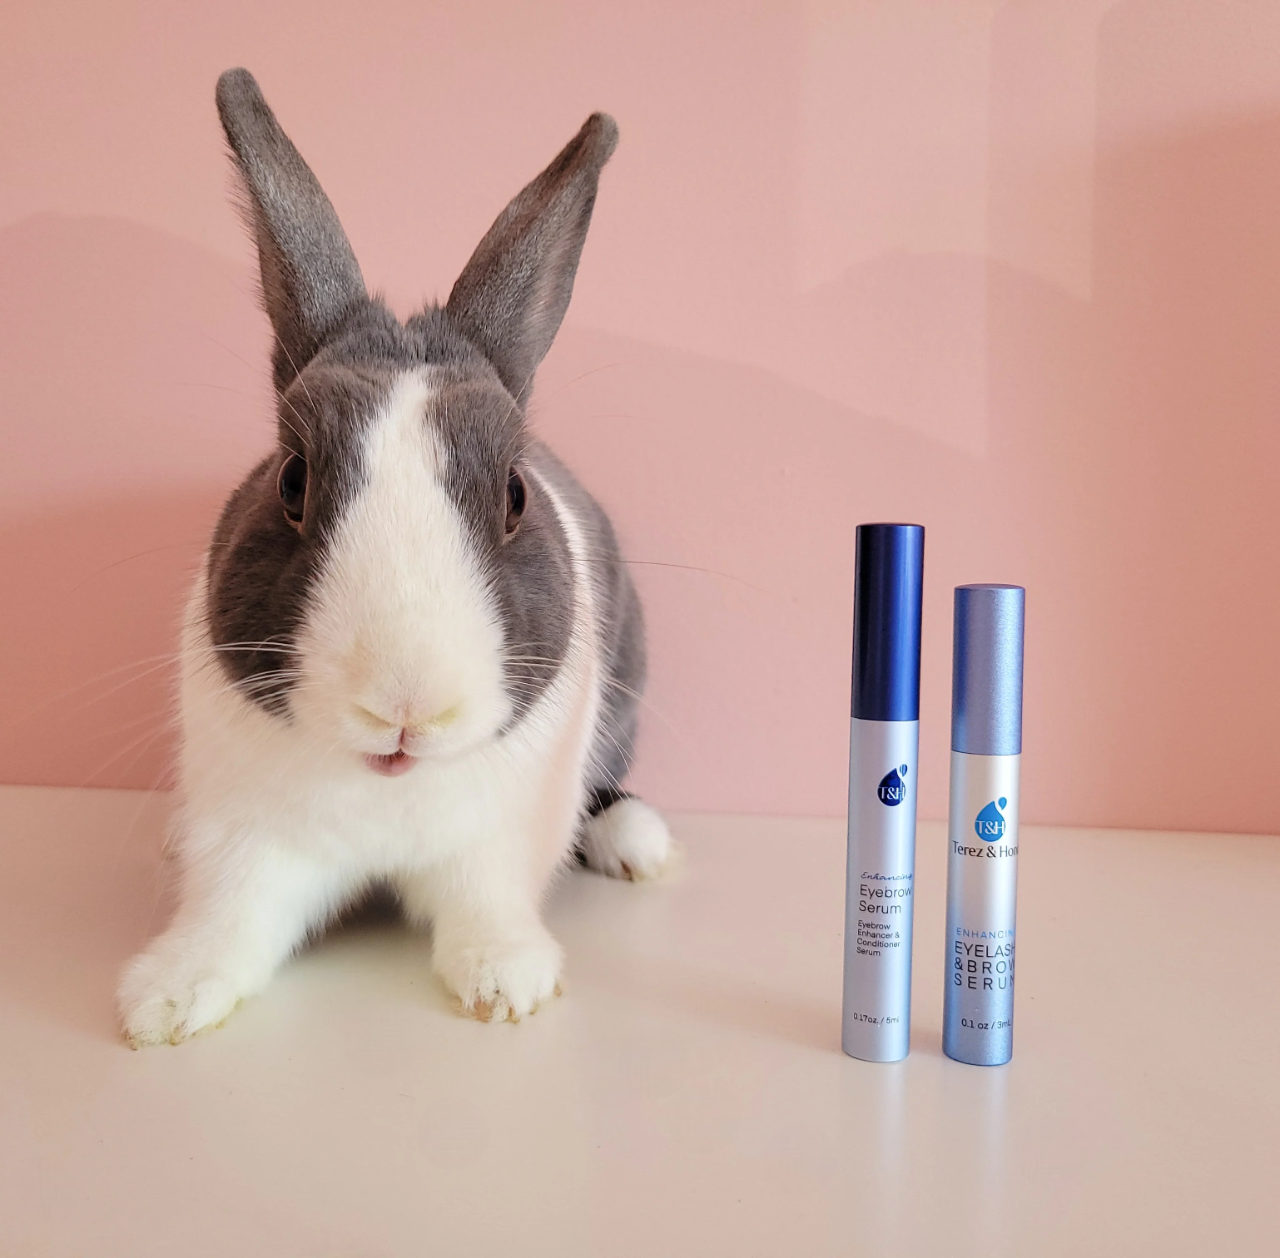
[[402, 632]]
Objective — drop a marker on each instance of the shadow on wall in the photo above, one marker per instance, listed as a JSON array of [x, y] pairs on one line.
[[740, 538], [131, 395], [1126, 475], [1186, 439], [130, 360], [88, 667]]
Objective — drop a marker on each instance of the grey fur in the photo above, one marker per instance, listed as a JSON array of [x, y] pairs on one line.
[[337, 355], [512, 294], [310, 278], [622, 629]]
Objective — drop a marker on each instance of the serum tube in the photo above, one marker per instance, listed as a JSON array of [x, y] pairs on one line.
[[883, 742], [982, 839]]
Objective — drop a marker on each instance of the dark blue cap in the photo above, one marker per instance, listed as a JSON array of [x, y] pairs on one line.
[[986, 670], [887, 591]]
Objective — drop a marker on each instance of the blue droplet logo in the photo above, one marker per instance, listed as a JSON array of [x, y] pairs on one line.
[[989, 824], [892, 790]]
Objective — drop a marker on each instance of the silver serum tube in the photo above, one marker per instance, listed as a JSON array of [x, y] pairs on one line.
[[880, 889], [982, 835], [888, 588], [982, 900]]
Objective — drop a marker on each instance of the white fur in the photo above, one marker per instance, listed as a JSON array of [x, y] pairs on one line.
[[283, 822], [628, 840]]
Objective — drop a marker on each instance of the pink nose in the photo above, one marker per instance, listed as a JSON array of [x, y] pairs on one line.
[[408, 721]]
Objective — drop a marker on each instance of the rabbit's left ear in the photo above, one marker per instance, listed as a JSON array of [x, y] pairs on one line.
[[512, 295]]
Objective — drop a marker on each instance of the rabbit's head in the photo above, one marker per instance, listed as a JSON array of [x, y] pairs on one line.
[[395, 578]]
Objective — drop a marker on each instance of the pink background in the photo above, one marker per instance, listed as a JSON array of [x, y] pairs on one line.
[[1011, 270]]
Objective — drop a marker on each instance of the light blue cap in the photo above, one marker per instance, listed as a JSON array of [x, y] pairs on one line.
[[986, 670]]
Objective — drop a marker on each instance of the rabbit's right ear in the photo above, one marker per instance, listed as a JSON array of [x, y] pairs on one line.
[[310, 277]]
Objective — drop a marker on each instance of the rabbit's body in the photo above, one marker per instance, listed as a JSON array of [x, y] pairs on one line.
[[413, 655]]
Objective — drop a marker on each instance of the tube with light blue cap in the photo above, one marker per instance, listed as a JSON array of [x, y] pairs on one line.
[[982, 839], [883, 742]]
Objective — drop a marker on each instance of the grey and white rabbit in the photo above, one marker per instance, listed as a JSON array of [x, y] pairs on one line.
[[413, 654]]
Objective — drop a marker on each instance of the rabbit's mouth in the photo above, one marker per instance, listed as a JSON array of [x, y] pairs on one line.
[[391, 766]]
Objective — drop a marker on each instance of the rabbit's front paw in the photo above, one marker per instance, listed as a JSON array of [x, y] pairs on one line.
[[165, 999], [502, 979]]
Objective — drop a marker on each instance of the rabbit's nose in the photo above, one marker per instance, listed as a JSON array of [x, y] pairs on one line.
[[428, 725], [409, 722], [375, 721]]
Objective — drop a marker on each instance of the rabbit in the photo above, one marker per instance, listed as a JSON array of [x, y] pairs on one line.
[[412, 656]]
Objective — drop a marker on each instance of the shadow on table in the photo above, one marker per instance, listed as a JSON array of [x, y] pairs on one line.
[[70, 921]]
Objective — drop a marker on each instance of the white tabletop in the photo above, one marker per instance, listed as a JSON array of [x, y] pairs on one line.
[[686, 1096]]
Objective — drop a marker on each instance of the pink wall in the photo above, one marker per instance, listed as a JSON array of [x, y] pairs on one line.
[[1012, 270]]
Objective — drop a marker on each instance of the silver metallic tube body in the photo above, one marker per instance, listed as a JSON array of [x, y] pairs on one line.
[[982, 835], [880, 889], [982, 898]]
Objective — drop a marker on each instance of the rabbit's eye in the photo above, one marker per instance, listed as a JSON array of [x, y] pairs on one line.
[[515, 500], [293, 487]]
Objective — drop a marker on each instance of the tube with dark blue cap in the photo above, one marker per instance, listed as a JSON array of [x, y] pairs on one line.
[[982, 840], [883, 743]]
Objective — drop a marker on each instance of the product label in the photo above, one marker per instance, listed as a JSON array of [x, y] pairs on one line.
[[982, 890], [982, 961], [879, 888], [883, 901], [999, 852], [855, 1015], [989, 825], [892, 789]]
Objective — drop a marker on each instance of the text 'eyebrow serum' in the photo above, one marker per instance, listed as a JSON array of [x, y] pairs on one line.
[[883, 743], [982, 837]]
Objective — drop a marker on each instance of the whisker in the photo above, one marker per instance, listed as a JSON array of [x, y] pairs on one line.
[[297, 374], [141, 742], [304, 437], [78, 708], [550, 397], [267, 644], [141, 554]]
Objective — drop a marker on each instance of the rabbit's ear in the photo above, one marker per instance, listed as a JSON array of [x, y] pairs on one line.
[[513, 293], [310, 277]]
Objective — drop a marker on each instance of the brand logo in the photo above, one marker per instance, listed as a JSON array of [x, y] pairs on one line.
[[892, 789], [989, 824]]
